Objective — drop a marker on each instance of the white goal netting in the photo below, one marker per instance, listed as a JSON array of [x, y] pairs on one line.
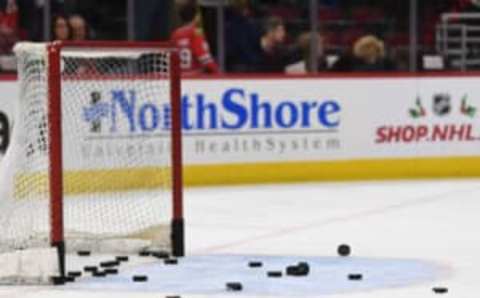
[[116, 121]]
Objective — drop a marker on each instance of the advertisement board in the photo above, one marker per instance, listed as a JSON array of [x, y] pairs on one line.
[[8, 89], [286, 129]]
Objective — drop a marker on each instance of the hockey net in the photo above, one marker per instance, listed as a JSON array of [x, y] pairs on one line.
[[94, 161]]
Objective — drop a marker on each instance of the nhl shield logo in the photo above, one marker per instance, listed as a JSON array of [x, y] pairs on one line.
[[442, 104]]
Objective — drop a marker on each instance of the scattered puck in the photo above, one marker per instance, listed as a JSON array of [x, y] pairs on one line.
[[140, 278], [170, 261], [109, 264], [173, 297], [58, 280], [145, 253], [83, 253], [344, 250], [255, 264], [302, 269], [292, 270], [99, 274], [161, 254], [111, 271], [274, 273], [440, 290], [69, 279], [355, 277], [74, 273], [234, 286], [90, 268], [122, 258]]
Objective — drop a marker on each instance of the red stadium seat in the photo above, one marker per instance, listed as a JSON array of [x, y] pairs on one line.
[[327, 14], [367, 14]]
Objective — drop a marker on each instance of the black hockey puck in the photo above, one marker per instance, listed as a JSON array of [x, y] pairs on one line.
[[58, 280], [140, 278], [255, 264], [74, 273], [303, 268], [99, 274], [83, 253], [69, 279], [111, 271], [144, 253], [90, 268], [292, 270], [274, 273], [122, 258], [355, 276], [173, 297], [109, 264], [234, 286], [440, 290], [170, 261], [161, 254], [344, 250]]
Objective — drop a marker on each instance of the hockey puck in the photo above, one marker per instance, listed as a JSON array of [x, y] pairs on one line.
[[274, 273], [161, 254], [69, 279], [292, 270], [122, 258], [234, 286], [58, 280], [303, 268], [344, 250], [90, 269], [170, 261], [74, 273], [173, 297], [83, 253], [355, 276], [99, 274], [255, 264], [140, 278], [440, 290], [111, 271], [145, 253], [298, 270], [109, 264]]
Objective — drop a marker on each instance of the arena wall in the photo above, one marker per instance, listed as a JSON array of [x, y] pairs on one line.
[[276, 129]]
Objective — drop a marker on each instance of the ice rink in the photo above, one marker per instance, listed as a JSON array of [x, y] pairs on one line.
[[406, 238]]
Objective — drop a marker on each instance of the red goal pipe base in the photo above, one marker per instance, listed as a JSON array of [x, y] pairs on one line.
[[178, 238], [60, 246]]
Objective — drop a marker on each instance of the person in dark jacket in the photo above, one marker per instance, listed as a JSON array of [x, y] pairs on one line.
[[368, 54], [274, 53]]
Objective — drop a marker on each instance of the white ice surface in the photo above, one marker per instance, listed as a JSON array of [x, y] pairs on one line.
[[427, 230]]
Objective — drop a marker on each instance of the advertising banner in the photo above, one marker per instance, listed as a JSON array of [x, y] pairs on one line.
[[283, 128], [9, 93]]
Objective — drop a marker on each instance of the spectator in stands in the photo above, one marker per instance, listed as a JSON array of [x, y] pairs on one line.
[[242, 37], [60, 28], [194, 50], [305, 65], [368, 55], [275, 55], [80, 30], [8, 27]]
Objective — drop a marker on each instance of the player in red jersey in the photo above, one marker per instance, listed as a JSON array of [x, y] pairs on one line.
[[195, 53]]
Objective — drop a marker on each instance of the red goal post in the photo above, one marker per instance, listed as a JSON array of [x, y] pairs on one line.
[[54, 50]]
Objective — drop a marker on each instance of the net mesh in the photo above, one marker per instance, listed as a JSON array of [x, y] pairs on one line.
[[116, 123]]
